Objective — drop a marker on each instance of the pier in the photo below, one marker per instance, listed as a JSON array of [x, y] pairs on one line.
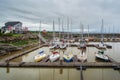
[[60, 65], [45, 63]]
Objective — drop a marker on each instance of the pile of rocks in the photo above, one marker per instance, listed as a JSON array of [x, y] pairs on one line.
[[5, 48]]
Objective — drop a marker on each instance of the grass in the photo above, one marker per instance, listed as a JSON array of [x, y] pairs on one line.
[[21, 42], [16, 35], [24, 42], [11, 34]]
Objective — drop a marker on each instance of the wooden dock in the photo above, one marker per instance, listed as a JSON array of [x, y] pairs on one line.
[[21, 54], [108, 46], [45, 63], [87, 45], [60, 65]]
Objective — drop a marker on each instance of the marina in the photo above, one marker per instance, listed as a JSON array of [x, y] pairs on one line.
[[62, 55], [7, 62], [59, 40], [61, 69]]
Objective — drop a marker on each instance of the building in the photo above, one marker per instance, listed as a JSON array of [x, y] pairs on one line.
[[12, 27]]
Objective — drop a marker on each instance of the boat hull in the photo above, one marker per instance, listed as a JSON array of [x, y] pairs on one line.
[[82, 57], [54, 57], [102, 57], [39, 57], [68, 58]]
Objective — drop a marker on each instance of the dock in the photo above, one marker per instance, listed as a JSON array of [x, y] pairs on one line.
[[60, 65], [45, 63]]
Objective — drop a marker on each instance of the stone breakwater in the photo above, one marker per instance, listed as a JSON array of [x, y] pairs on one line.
[[4, 48]]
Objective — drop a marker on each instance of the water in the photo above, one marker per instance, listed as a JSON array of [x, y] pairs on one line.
[[67, 74]]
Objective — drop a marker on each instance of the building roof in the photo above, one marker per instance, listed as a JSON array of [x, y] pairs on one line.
[[11, 23]]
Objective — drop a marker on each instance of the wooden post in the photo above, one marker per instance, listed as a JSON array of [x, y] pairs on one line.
[[7, 69]]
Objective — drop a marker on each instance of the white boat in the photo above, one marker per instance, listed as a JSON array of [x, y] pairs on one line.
[[63, 46], [68, 56], [54, 56], [101, 45], [82, 46], [53, 46], [100, 55], [40, 56], [82, 56], [82, 40], [55, 42]]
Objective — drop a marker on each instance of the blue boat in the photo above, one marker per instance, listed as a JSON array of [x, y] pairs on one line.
[[68, 57]]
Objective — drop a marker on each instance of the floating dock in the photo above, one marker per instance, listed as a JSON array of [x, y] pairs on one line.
[[60, 64], [45, 63], [87, 45]]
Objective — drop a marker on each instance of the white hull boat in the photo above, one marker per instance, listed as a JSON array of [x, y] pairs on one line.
[[54, 56], [102, 46], [53, 46], [63, 46], [101, 56], [82, 57], [82, 46]]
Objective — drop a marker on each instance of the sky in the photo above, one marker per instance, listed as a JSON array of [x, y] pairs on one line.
[[86, 12]]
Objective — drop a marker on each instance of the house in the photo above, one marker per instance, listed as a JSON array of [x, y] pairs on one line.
[[12, 27]]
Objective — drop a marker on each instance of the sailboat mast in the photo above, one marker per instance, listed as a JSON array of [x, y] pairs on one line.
[[68, 26], [102, 26], [62, 30], [39, 32], [71, 29], [88, 31], [53, 31], [59, 26], [68, 30], [81, 31]]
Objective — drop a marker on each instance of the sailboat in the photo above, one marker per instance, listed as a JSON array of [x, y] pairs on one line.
[[101, 44], [68, 56], [63, 45], [41, 55], [100, 55], [87, 39], [82, 41], [55, 41], [54, 56], [82, 56]]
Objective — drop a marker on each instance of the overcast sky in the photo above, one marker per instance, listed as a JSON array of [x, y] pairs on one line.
[[88, 12]]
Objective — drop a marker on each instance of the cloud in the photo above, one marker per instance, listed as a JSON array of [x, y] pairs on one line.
[[89, 12]]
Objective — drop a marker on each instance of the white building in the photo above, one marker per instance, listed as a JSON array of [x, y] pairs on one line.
[[13, 27]]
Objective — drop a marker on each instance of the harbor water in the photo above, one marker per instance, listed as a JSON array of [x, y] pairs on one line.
[[64, 73]]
